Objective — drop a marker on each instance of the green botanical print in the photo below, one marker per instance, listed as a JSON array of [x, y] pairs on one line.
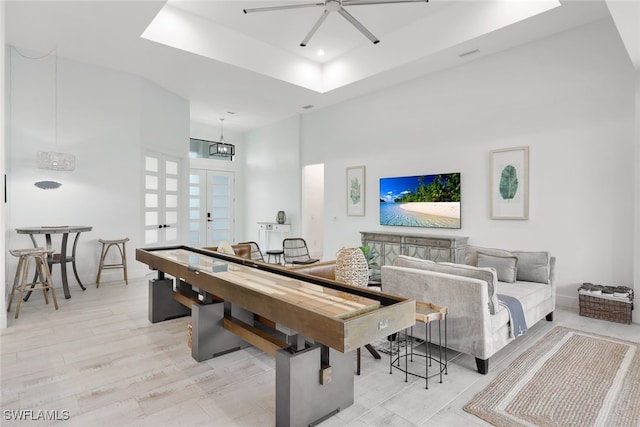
[[355, 191], [508, 182]]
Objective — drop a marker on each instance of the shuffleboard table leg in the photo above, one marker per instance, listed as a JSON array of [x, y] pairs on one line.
[[301, 396]]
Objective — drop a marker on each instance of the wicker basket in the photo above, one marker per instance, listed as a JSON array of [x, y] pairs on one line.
[[605, 309]]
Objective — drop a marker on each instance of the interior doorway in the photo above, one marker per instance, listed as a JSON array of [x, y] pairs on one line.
[[313, 208], [211, 207], [161, 208]]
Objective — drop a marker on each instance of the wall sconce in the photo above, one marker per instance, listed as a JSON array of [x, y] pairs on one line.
[[221, 148]]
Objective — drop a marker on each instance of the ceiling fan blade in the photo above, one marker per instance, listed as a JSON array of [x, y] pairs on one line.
[[358, 25], [368, 2], [319, 22], [290, 6]]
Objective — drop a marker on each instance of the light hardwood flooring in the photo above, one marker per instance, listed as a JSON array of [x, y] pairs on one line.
[[99, 360]]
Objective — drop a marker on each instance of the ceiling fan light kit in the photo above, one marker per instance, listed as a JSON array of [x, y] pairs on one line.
[[335, 6]]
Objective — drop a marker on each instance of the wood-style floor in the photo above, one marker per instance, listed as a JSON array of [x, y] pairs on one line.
[[99, 362]]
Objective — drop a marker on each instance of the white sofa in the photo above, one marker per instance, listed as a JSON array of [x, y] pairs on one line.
[[478, 324]]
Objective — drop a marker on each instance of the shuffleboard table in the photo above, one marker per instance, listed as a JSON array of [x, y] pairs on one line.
[[311, 325]]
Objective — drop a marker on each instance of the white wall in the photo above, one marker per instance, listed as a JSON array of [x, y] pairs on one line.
[[273, 176], [107, 119], [3, 310], [636, 255], [570, 98], [313, 208]]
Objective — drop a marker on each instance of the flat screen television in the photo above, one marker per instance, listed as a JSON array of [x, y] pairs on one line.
[[431, 201]]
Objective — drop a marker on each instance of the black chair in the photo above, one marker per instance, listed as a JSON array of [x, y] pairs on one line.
[[256, 253], [296, 252]]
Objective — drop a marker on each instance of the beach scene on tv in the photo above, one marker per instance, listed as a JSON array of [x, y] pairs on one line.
[[421, 201]]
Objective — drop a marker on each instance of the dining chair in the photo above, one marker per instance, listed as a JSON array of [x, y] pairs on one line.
[[296, 251], [256, 253]]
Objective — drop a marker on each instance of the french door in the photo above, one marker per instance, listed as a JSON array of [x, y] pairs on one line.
[[211, 207], [161, 199]]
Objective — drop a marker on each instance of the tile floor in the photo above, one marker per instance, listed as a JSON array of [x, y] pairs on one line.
[[100, 362]]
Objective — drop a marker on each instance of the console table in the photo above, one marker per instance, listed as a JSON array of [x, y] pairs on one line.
[[388, 245], [271, 227]]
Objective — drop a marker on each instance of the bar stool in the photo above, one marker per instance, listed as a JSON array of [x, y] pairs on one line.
[[426, 313], [106, 245], [21, 281]]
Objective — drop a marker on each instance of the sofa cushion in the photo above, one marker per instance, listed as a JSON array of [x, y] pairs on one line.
[[506, 266], [531, 295], [411, 262], [533, 266], [225, 248], [485, 274], [242, 250], [326, 269]]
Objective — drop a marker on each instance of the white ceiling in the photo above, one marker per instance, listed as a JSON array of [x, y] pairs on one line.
[[223, 60]]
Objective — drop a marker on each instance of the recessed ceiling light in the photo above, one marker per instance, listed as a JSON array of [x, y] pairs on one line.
[[320, 52]]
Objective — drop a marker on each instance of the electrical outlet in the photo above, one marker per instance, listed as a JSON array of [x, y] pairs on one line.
[[383, 324]]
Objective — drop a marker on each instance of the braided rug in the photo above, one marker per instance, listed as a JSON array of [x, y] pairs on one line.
[[568, 378]]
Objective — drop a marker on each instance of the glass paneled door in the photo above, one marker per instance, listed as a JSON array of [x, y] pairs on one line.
[[161, 199], [211, 203]]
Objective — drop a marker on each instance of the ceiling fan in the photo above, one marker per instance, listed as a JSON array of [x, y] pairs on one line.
[[334, 6]]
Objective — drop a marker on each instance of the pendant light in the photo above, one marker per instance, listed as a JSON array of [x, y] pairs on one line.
[[221, 148]]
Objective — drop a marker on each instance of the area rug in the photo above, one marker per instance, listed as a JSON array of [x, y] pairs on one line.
[[382, 345], [568, 378]]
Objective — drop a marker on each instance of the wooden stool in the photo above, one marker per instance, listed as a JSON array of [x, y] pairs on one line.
[[106, 245], [21, 281]]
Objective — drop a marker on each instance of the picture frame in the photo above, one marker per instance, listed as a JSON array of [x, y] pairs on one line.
[[355, 189], [509, 171]]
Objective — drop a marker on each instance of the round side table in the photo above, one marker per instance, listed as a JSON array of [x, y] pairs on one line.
[[276, 253]]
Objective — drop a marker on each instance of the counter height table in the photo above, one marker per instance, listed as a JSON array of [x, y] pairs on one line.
[[63, 258]]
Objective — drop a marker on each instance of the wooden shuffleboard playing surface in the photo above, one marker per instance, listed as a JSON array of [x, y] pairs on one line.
[[331, 313], [311, 325], [320, 299]]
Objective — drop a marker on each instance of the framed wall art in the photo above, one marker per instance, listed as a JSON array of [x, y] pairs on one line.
[[355, 190], [510, 183]]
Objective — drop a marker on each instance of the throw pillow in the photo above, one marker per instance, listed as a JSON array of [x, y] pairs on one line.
[[506, 266], [471, 253], [225, 248], [533, 266]]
